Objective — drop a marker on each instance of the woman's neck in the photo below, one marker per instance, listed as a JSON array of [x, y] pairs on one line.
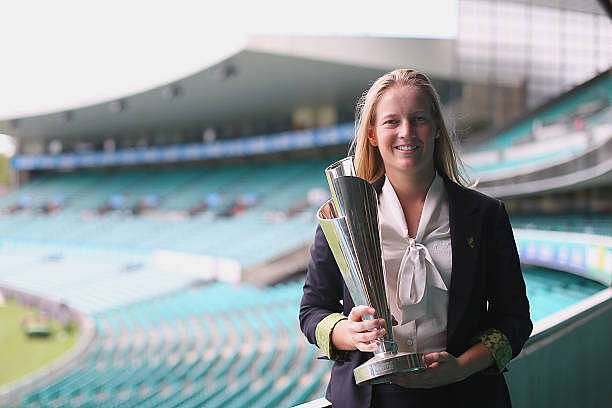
[[410, 187]]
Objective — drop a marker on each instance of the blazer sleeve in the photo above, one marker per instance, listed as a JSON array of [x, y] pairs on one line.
[[508, 304], [322, 289]]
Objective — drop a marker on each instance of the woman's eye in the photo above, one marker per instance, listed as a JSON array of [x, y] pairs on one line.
[[391, 122]]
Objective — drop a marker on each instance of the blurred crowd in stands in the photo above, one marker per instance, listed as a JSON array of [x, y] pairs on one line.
[[314, 199], [212, 204], [24, 203]]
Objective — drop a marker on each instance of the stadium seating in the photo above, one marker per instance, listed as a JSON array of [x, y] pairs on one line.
[[526, 146], [550, 291], [278, 187], [225, 346], [195, 348], [163, 342], [87, 279], [559, 111]]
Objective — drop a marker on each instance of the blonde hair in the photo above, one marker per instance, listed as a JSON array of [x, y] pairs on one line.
[[368, 162]]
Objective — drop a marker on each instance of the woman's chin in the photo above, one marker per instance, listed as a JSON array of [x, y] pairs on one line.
[[408, 162], [411, 166]]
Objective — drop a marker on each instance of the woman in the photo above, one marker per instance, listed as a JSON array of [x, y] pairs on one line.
[[452, 272]]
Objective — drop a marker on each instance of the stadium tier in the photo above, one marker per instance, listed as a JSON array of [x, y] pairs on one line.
[[233, 201], [194, 348], [566, 128], [550, 291], [88, 280], [590, 102], [97, 209]]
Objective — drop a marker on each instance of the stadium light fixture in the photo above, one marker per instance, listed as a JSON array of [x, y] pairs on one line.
[[172, 91], [67, 116], [117, 106], [225, 71]]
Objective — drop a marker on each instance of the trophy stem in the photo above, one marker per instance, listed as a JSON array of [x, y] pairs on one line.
[[385, 347], [386, 343]]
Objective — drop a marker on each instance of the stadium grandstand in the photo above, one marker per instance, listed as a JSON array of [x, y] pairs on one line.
[[172, 226]]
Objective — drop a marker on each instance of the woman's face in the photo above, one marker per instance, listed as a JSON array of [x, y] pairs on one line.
[[404, 131]]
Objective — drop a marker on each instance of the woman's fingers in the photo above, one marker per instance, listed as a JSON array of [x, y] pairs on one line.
[[431, 358], [367, 347], [366, 337], [441, 356], [364, 333], [367, 325], [444, 356], [358, 312]]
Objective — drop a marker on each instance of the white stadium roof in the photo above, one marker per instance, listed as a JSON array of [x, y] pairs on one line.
[[271, 75]]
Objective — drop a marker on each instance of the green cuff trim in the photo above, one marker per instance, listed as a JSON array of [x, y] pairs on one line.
[[500, 348], [323, 333]]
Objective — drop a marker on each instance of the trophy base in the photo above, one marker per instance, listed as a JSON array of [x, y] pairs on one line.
[[379, 369]]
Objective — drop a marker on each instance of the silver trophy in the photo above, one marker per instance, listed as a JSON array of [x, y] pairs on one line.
[[350, 223]]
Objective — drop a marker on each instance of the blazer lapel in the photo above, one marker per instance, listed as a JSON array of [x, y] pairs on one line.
[[378, 184], [465, 225]]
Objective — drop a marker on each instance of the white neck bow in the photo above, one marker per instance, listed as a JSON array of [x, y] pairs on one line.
[[417, 272]]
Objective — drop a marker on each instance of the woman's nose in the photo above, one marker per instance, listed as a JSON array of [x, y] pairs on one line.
[[404, 130]]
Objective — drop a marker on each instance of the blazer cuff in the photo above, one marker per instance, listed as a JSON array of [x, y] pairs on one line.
[[499, 346], [323, 334]]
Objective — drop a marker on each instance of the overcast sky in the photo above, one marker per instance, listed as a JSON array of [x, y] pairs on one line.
[[60, 54]]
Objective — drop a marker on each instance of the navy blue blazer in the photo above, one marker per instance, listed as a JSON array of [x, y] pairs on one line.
[[487, 291]]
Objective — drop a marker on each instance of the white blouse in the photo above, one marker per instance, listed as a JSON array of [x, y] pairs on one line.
[[417, 269]]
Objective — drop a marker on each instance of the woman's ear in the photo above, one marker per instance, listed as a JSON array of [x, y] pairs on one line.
[[372, 136]]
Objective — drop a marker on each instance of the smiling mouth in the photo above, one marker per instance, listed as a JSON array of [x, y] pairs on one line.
[[406, 148]]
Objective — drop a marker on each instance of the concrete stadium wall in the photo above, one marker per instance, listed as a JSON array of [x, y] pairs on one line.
[[567, 361]]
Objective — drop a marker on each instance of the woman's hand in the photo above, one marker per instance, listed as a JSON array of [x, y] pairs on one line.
[[356, 333], [442, 369]]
